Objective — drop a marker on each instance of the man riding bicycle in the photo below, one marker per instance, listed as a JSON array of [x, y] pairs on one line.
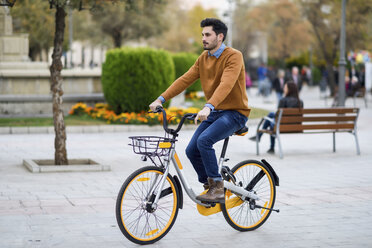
[[222, 75]]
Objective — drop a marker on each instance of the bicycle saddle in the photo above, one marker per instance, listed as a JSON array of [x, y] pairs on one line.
[[243, 131]]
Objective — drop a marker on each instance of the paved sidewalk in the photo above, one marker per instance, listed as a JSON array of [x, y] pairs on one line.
[[325, 198]]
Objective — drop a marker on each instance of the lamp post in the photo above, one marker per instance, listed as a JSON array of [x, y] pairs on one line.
[[70, 35], [229, 30], [342, 61]]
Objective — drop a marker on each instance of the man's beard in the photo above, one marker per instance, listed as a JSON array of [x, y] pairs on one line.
[[212, 45]]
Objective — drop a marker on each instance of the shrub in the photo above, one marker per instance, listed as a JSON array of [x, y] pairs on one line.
[[182, 63], [133, 77], [316, 75]]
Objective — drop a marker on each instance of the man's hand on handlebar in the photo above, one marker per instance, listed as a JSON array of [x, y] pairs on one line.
[[202, 115], [155, 104]]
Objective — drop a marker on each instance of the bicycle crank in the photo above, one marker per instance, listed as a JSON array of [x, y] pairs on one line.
[[271, 209]]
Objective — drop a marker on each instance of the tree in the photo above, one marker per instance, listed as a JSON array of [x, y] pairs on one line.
[[61, 6], [325, 15], [287, 32], [125, 21], [34, 18], [85, 29], [184, 32]]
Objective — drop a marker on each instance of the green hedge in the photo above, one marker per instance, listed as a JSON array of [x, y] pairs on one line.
[[316, 75], [133, 77], [182, 63]]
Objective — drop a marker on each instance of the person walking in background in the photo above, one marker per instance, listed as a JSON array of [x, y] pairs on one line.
[[248, 82], [263, 80], [353, 72], [278, 84], [362, 77], [295, 77], [271, 75], [352, 86], [290, 100], [304, 75]]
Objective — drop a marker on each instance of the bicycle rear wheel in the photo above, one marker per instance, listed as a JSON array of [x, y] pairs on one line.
[[138, 220], [255, 176]]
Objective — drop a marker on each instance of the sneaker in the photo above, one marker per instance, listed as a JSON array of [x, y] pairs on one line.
[[271, 151], [253, 138]]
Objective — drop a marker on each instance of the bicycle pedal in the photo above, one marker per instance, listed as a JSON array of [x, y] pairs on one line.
[[213, 203]]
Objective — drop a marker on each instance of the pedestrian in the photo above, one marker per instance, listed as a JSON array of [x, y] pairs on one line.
[[278, 84], [248, 82], [263, 81], [290, 100], [304, 75], [353, 86], [295, 77], [222, 75]]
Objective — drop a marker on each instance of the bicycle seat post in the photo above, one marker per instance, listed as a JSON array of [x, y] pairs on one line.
[[224, 148], [223, 153]]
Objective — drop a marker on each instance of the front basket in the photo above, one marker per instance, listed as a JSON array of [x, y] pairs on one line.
[[152, 145]]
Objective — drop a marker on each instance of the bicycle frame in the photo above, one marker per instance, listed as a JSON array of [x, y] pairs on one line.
[[173, 157], [190, 192]]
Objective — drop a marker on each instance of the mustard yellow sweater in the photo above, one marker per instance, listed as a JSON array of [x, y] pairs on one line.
[[222, 80]]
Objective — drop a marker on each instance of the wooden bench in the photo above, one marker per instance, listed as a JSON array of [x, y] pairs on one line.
[[320, 120]]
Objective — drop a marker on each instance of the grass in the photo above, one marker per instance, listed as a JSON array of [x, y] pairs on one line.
[[255, 112], [48, 121], [71, 120], [258, 113]]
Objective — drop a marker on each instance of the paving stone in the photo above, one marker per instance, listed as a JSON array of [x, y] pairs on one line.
[[324, 197]]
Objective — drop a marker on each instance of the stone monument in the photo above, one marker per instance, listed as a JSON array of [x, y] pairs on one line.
[[25, 84], [12, 47]]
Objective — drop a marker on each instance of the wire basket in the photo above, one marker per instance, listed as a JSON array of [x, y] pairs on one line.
[[152, 145]]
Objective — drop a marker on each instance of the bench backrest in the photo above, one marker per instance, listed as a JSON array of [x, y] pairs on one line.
[[296, 120]]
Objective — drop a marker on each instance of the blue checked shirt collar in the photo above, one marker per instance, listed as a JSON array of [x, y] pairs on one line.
[[219, 51]]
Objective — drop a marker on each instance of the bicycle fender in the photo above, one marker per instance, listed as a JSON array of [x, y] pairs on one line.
[[276, 178], [180, 193]]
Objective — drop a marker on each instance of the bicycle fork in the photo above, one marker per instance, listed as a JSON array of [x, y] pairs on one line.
[[153, 197]]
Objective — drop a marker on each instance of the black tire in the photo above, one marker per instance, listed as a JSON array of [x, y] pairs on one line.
[[236, 211], [137, 221]]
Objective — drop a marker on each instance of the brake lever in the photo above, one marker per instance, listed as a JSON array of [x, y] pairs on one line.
[[158, 109], [192, 117]]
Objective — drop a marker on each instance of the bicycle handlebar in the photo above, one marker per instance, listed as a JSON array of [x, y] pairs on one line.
[[189, 116]]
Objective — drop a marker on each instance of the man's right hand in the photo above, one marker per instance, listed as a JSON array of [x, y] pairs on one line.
[[154, 104]]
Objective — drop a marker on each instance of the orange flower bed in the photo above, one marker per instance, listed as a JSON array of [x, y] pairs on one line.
[[102, 111]]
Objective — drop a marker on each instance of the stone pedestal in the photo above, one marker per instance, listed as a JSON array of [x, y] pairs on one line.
[[25, 85], [12, 47]]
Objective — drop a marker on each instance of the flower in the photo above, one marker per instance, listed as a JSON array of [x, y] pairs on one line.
[[104, 112]]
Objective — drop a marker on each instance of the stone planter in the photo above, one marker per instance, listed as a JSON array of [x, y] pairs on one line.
[[75, 165]]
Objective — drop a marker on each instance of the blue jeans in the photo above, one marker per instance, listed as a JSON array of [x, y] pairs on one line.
[[218, 126], [269, 125]]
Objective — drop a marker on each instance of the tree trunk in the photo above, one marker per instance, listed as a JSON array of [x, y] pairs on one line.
[[117, 38], [60, 155], [331, 78]]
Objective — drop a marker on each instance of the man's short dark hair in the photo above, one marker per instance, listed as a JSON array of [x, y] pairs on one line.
[[217, 25]]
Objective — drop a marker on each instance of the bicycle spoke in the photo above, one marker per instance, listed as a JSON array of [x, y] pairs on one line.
[[254, 177], [140, 220]]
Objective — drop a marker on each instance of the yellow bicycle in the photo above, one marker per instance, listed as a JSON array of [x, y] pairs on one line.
[[148, 202]]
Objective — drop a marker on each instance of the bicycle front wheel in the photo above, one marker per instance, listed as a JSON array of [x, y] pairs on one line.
[[139, 220], [256, 177]]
